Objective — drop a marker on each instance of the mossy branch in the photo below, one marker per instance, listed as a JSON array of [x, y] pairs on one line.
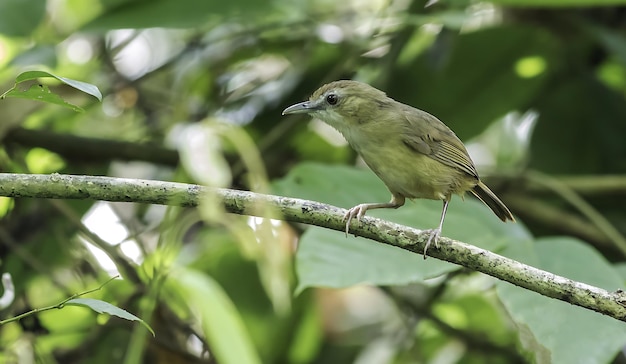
[[57, 186]]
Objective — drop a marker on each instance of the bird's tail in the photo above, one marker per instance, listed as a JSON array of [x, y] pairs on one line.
[[490, 199]]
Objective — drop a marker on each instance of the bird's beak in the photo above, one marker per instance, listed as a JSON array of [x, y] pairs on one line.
[[300, 108]]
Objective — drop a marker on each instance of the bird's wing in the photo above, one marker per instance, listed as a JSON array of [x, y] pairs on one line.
[[425, 134]]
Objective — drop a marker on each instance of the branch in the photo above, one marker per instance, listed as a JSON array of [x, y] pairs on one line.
[[314, 213], [593, 185], [584, 185], [531, 208], [91, 149]]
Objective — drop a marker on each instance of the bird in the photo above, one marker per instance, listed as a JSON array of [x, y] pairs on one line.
[[414, 153]]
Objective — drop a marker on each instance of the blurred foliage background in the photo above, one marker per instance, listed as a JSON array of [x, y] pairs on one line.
[[193, 92]]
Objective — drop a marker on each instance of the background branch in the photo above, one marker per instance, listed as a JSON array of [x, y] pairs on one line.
[[559, 219], [591, 185], [596, 185], [78, 148], [314, 213]]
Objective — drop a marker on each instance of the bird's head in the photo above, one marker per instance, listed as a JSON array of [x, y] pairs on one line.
[[342, 103]]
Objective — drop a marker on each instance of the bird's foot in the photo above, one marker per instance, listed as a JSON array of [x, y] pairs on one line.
[[357, 211], [433, 237]]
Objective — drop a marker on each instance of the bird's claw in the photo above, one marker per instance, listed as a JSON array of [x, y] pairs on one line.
[[357, 211], [433, 236]]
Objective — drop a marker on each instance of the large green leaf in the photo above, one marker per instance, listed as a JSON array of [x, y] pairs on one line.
[[580, 128], [563, 333], [327, 258], [470, 80], [171, 13], [621, 269], [39, 55], [20, 17], [558, 3]]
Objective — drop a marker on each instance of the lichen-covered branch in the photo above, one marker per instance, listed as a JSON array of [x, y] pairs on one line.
[[309, 212]]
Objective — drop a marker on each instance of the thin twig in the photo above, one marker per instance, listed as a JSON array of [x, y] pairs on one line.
[[59, 305]]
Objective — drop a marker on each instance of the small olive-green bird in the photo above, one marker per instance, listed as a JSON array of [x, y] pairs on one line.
[[411, 151]]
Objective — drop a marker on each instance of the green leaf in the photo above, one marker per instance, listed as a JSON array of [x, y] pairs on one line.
[[18, 18], [40, 93], [43, 93], [105, 307], [329, 259], [557, 3], [38, 55], [621, 269], [222, 324], [170, 13], [567, 334], [79, 85]]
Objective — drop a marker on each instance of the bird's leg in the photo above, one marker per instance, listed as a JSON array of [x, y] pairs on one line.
[[433, 234], [359, 211]]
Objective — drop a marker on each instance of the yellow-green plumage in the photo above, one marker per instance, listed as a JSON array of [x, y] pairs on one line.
[[410, 150]]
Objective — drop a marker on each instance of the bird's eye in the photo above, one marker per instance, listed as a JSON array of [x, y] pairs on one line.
[[332, 99]]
